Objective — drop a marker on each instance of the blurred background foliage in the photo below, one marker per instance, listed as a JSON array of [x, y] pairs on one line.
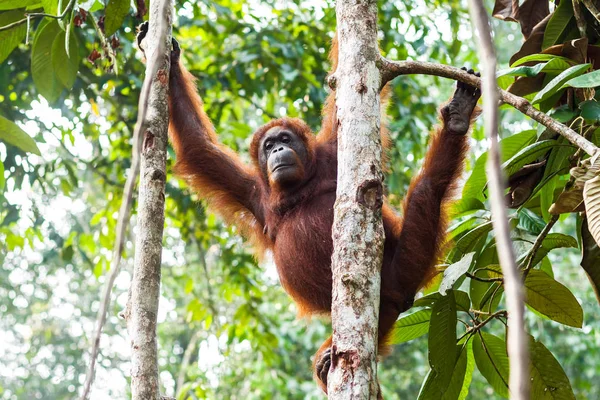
[[226, 328]]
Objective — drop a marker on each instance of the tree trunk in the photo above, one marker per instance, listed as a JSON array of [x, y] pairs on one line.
[[357, 228], [142, 308]]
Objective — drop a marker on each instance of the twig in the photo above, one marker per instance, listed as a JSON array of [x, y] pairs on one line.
[[475, 328], [537, 244], [392, 69], [108, 50], [517, 341], [151, 69], [28, 17], [475, 277]]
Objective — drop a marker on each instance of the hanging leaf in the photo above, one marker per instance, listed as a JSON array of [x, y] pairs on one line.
[[589, 80], [116, 11], [410, 327], [556, 84], [455, 271], [10, 39], [591, 198], [458, 387], [548, 379], [590, 260], [42, 70], [442, 339], [530, 221], [527, 155], [509, 147], [11, 133], [66, 66], [568, 201], [552, 299], [492, 361], [558, 24]]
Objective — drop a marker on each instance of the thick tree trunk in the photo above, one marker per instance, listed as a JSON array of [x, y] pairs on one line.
[[357, 228], [142, 308]]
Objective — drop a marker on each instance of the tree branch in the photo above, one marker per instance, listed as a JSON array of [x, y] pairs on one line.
[[513, 286], [28, 17], [392, 69], [537, 244]]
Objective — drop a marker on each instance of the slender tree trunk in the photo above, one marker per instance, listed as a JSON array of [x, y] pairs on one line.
[[518, 351], [357, 228], [142, 307]]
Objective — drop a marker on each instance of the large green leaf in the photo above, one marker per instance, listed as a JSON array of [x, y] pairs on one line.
[[530, 221], [42, 69], [590, 110], [116, 11], [541, 57], [548, 379], [556, 84], [527, 155], [492, 361], [552, 299], [509, 147], [558, 163], [10, 133], [64, 65], [464, 206], [442, 339], [14, 4], [469, 241], [553, 241], [558, 24], [11, 38], [590, 80], [410, 327], [458, 387]]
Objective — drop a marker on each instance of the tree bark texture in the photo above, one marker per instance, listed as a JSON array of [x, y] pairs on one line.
[[144, 292], [358, 234]]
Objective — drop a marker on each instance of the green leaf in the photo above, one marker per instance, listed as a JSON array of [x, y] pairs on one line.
[[522, 71], [455, 271], [116, 11], [51, 6], [551, 242], [456, 231], [469, 241], [548, 379], [527, 155], [2, 180], [10, 133], [530, 221], [557, 161], [540, 57], [492, 361], [459, 383], [552, 299], [442, 339], [558, 24], [556, 84], [509, 147], [461, 299], [66, 67], [410, 327], [465, 205], [42, 69], [11, 38], [589, 80], [14, 4], [590, 110]]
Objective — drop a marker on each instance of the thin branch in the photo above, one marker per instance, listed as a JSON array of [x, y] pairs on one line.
[[28, 17], [513, 286], [108, 50], [537, 244], [589, 4], [475, 277], [579, 18], [477, 327], [124, 212], [392, 69]]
